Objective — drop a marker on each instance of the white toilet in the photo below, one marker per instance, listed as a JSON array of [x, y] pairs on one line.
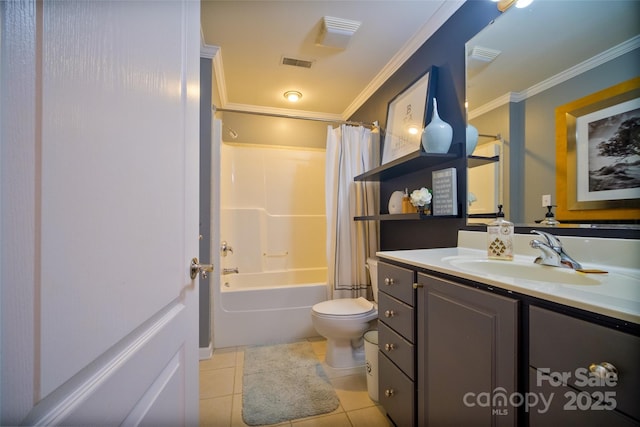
[[343, 323]]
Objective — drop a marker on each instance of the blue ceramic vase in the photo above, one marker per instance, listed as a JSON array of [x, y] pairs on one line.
[[437, 135], [472, 139]]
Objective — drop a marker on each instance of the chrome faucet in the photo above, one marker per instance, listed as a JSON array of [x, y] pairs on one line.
[[552, 252], [224, 248], [230, 270]]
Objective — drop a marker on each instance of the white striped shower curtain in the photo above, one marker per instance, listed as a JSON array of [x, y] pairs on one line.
[[351, 151]]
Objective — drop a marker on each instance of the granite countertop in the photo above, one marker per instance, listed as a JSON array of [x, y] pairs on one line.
[[615, 294]]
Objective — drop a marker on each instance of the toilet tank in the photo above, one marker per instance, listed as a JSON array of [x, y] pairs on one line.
[[373, 275]]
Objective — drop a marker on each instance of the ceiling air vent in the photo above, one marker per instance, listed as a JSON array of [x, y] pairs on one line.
[[336, 32], [484, 54], [296, 62]]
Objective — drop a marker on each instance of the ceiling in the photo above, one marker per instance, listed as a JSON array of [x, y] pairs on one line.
[[252, 37], [248, 40], [533, 57]]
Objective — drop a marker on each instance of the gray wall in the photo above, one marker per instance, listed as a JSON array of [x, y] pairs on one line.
[[529, 130], [445, 50], [205, 198], [539, 126]]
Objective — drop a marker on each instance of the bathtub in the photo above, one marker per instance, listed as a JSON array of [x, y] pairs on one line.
[[270, 307]]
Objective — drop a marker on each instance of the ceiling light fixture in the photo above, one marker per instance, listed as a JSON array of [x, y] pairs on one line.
[[506, 4], [292, 95]]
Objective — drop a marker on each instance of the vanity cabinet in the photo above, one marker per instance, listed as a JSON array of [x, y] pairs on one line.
[[561, 351], [458, 352], [467, 351], [441, 344], [396, 342]]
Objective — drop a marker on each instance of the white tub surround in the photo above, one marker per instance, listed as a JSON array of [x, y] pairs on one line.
[[615, 294], [272, 216]]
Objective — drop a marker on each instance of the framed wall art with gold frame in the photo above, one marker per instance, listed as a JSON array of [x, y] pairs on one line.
[[597, 155]]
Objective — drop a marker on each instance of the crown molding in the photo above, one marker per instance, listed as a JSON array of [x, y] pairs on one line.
[[444, 12], [492, 105], [215, 54], [208, 52], [601, 58], [591, 63]]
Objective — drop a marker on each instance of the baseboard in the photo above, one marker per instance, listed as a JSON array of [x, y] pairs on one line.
[[206, 352]]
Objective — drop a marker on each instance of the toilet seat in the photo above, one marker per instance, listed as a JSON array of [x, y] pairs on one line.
[[352, 307]]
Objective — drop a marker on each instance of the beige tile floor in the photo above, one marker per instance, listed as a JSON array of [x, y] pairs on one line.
[[221, 393]]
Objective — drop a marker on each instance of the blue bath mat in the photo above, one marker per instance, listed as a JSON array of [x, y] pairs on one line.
[[284, 382]]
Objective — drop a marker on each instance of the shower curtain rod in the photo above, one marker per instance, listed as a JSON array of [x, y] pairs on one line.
[[498, 136], [315, 119]]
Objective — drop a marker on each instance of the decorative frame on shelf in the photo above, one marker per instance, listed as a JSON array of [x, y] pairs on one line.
[[406, 116], [592, 140]]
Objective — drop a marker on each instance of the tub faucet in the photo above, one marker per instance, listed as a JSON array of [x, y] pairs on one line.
[[230, 270], [552, 252]]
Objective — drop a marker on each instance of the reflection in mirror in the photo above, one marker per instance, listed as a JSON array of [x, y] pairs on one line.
[[524, 65], [485, 178]]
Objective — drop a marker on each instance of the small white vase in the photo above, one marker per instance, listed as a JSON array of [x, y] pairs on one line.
[[472, 139], [437, 135]]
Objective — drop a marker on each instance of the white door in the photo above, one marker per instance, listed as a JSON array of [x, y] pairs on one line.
[[99, 202]]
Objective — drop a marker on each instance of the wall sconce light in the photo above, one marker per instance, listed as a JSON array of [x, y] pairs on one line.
[[506, 4], [292, 95]]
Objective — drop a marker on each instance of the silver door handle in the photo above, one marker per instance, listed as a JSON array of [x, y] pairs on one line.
[[203, 269]]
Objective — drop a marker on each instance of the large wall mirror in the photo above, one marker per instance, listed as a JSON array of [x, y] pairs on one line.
[[520, 68]]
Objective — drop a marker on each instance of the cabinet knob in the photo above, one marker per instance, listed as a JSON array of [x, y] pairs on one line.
[[389, 347], [604, 370], [388, 281], [389, 392], [389, 313], [417, 285]]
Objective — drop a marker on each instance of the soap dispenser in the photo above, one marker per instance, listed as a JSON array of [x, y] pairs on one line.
[[549, 219], [407, 207], [500, 237]]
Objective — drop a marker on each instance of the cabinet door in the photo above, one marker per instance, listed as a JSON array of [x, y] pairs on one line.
[[560, 405], [397, 315], [397, 349], [396, 393], [565, 347], [396, 281], [467, 355]]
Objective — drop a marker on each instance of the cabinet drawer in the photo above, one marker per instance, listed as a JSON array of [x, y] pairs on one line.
[[562, 407], [396, 281], [396, 314], [396, 348], [567, 346], [396, 393]]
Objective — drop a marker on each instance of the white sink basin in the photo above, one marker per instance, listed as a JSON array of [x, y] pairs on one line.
[[523, 270], [615, 294]]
